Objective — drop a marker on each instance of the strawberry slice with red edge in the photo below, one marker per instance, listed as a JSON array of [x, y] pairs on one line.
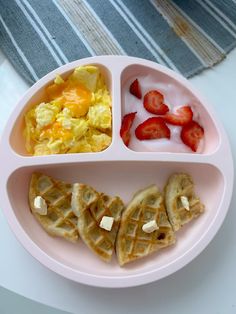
[[135, 89], [153, 102], [182, 117], [126, 125], [191, 134], [152, 128]]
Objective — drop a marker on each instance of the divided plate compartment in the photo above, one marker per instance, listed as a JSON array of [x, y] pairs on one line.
[[118, 170]]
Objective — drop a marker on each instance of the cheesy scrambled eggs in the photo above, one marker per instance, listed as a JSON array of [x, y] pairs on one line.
[[75, 117]]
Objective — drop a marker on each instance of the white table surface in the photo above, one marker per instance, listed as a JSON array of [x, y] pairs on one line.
[[206, 285]]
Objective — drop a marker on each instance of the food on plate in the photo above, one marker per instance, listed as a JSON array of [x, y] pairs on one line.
[[126, 125], [50, 203], [133, 242], [178, 124], [98, 219], [182, 204], [152, 128], [135, 89], [182, 116], [153, 102], [75, 116], [191, 134], [146, 225]]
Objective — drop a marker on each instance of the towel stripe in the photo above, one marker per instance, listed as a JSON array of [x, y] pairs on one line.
[[187, 36], [54, 19], [15, 58], [77, 32], [207, 24], [142, 34], [217, 17], [121, 31], [202, 47], [222, 17], [41, 35], [227, 7], [158, 28], [18, 49], [183, 30], [44, 30], [27, 38], [91, 28], [103, 25]]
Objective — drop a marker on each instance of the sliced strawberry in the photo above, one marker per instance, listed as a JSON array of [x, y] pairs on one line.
[[127, 122], [183, 116], [152, 128], [135, 89], [153, 102], [191, 134]]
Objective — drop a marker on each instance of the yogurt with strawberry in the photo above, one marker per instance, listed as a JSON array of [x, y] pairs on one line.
[[164, 119]]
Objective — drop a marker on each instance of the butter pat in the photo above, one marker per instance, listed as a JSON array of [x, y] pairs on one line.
[[150, 226], [106, 223], [185, 202], [40, 205]]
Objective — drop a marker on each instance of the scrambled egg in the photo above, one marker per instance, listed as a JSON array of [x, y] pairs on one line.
[[76, 117]]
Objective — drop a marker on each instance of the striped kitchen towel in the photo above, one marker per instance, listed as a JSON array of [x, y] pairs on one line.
[[185, 35]]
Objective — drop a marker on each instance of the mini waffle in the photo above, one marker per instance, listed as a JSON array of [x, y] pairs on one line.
[[60, 220], [90, 206], [132, 242], [181, 184]]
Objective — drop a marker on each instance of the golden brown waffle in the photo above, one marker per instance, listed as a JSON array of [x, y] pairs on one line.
[[60, 219], [181, 184], [132, 242], [90, 206]]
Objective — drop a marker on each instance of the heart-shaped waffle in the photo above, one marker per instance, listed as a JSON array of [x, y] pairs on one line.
[[90, 207], [132, 242], [182, 204], [59, 219]]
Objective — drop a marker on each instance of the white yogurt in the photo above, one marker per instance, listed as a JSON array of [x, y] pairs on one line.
[[174, 97]]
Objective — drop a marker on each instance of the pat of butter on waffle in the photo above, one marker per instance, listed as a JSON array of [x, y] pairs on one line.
[[150, 226], [95, 211], [132, 241], [50, 203], [106, 223], [40, 205], [182, 203]]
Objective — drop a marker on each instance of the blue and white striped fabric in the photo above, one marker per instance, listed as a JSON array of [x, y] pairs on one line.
[[185, 35]]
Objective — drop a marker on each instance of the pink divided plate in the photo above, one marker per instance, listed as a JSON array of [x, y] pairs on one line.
[[119, 170]]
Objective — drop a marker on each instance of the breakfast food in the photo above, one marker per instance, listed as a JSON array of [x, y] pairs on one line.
[[135, 89], [50, 203], [98, 219], [182, 204], [191, 135], [153, 102], [179, 124], [144, 226], [126, 125], [152, 128], [74, 117], [183, 116]]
